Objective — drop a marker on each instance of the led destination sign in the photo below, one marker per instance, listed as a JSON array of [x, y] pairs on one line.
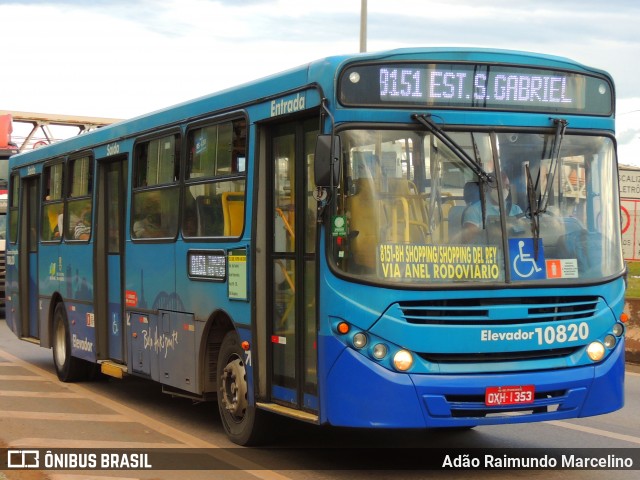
[[495, 87], [211, 265], [408, 84]]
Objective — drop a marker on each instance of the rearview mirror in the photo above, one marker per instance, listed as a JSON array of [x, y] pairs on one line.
[[326, 162]]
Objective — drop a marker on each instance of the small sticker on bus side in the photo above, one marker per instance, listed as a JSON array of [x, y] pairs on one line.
[[562, 268], [131, 298]]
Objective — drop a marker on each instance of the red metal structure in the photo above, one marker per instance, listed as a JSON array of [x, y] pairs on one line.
[[32, 130]]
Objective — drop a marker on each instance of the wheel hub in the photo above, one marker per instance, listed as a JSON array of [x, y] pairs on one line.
[[234, 388]]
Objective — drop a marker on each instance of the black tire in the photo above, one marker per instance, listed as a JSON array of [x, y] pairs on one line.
[[68, 368], [242, 422]]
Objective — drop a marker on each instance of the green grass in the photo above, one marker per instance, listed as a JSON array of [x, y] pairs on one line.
[[633, 285]]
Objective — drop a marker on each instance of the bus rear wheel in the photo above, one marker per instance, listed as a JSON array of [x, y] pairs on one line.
[[68, 368], [243, 423]]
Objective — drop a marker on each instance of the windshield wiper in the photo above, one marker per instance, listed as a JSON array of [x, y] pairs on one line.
[[536, 208], [533, 212], [561, 126], [459, 152], [453, 146]]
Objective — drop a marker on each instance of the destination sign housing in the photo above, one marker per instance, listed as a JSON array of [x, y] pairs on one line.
[[476, 86]]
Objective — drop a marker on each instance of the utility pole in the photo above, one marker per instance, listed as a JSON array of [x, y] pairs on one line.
[[363, 26]]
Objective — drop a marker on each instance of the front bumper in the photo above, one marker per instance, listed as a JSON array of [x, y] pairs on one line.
[[360, 393]]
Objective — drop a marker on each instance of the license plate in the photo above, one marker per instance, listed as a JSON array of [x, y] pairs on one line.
[[512, 395]]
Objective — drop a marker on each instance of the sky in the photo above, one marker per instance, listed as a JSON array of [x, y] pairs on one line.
[[123, 58]]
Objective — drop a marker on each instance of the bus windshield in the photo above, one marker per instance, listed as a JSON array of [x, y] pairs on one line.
[[415, 213]]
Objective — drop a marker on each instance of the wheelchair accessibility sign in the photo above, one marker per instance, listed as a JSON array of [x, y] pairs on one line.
[[524, 264]]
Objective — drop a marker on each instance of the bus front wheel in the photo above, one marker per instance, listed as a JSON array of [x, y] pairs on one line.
[[242, 422], [68, 368]]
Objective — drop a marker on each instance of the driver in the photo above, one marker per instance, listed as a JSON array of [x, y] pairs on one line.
[[472, 216]]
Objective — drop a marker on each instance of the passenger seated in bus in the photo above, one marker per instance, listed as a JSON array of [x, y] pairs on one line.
[[82, 230], [148, 223], [147, 227], [472, 223]]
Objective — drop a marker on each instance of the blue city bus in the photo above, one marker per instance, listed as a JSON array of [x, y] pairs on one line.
[[415, 238]]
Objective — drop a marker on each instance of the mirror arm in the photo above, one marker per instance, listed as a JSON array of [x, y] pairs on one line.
[[328, 196], [331, 147]]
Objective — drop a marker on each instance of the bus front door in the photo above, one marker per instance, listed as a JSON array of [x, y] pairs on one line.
[[109, 246], [291, 267], [28, 258]]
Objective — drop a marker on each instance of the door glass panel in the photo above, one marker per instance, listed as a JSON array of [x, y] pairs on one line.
[[113, 210], [284, 324], [310, 321], [294, 324], [284, 199], [310, 345], [32, 219], [284, 265]]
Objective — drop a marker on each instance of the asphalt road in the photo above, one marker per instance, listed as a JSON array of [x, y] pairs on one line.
[[37, 411]]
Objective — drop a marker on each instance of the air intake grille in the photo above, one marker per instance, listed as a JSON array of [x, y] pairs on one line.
[[498, 311], [498, 356]]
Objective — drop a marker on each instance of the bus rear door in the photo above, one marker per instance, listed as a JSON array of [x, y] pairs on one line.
[[109, 247], [28, 258]]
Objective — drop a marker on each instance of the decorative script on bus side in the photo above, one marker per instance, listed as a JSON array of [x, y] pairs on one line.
[[159, 342]]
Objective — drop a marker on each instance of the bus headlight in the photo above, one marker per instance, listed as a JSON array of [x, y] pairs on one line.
[[595, 351], [618, 329], [359, 340], [609, 341], [379, 351], [402, 360]]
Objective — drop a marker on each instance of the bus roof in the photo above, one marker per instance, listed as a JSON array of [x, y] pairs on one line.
[[322, 72]]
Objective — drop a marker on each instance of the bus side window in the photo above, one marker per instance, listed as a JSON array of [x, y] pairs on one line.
[[79, 201], [52, 207], [155, 201], [213, 202]]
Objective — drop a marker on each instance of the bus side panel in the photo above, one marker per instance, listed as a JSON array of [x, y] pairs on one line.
[[82, 330], [50, 277], [162, 344], [141, 343], [71, 275], [150, 277], [33, 304], [176, 355], [12, 300], [204, 297], [12, 310], [162, 347]]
